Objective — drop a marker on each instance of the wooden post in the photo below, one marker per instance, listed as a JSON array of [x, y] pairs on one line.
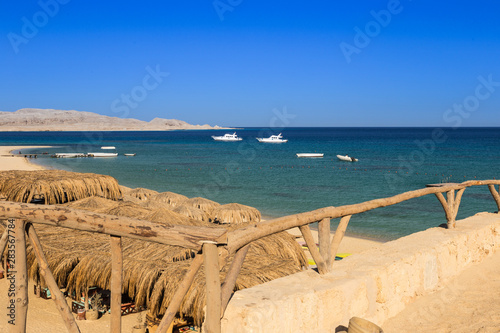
[[495, 195], [324, 239], [86, 302], [116, 283], [213, 303], [17, 309], [451, 205], [3, 241], [231, 276], [313, 249], [181, 291], [337, 238], [58, 297]]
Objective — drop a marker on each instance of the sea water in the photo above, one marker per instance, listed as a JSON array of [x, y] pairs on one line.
[[273, 179]]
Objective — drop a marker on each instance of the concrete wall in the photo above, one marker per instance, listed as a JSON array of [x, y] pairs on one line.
[[375, 285]]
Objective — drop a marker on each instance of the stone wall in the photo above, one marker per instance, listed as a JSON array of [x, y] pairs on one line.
[[375, 285]]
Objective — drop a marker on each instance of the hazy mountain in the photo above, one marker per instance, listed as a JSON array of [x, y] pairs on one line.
[[62, 120]]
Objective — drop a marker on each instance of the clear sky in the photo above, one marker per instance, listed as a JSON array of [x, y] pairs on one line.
[[256, 63]]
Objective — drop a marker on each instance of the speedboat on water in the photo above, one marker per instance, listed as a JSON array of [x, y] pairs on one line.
[[273, 139], [102, 154], [227, 137], [347, 158]]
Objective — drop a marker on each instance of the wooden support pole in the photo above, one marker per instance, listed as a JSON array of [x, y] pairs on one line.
[[313, 249], [495, 195], [181, 291], [58, 297], [213, 303], [324, 239], [337, 238], [116, 283], [451, 205], [231, 276], [17, 309], [3, 244]]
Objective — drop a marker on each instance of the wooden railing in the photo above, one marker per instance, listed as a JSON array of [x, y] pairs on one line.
[[21, 216]]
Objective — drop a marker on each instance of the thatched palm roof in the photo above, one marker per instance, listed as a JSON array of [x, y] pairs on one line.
[[142, 193], [171, 198], [235, 213], [205, 205], [93, 204], [56, 186], [163, 215], [192, 212], [128, 209]]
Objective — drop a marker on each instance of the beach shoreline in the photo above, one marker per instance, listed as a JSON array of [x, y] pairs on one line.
[[10, 161]]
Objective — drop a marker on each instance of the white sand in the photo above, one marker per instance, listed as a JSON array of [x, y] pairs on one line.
[[9, 161]]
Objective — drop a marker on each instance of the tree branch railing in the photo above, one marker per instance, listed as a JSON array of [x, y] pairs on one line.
[[206, 241]]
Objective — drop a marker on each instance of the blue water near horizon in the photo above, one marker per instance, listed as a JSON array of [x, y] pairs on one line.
[[271, 178]]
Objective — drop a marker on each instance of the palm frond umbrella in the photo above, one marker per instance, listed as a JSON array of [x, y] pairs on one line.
[[163, 215], [57, 186], [128, 209], [125, 189], [193, 213], [142, 193], [235, 213], [93, 204], [205, 205], [171, 198]]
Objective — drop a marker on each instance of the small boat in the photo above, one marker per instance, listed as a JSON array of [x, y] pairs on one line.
[[273, 139], [108, 147], [347, 158], [69, 155], [227, 137], [309, 155], [129, 154], [102, 154]]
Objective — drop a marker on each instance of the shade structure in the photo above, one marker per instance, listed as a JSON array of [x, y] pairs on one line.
[[142, 193], [235, 213], [93, 204], [56, 186], [171, 198], [163, 215], [128, 209], [205, 205], [192, 212]]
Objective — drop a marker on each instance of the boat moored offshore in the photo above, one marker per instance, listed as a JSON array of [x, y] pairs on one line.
[[273, 139], [227, 137]]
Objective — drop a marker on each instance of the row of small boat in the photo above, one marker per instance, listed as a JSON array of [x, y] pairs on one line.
[[75, 155]]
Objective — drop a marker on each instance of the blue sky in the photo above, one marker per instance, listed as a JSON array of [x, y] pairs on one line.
[[241, 62]]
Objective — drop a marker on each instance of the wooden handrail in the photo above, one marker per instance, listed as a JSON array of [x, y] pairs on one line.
[[190, 237]]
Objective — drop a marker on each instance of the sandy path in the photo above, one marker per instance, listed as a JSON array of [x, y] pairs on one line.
[[469, 303]]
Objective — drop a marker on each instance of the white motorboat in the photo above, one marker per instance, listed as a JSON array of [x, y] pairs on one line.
[[309, 155], [227, 137], [69, 155], [347, 158], [102, 154], [129, 154], [273, 139], [108, 147]]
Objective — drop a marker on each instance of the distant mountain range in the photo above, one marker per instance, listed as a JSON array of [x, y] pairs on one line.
[[62, 120]]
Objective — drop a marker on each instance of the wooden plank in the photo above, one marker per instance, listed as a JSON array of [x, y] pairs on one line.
[[56, 294], [181, 291], [242, 236], [313, 249], [213, 303], [190, 237], [324, 239], [231, 276], [337, 238], [17, 309], [116, 283]]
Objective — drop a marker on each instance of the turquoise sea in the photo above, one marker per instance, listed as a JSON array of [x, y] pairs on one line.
[[271, 178]]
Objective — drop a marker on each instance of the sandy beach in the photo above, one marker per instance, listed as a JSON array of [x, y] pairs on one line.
[[10, 161]]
